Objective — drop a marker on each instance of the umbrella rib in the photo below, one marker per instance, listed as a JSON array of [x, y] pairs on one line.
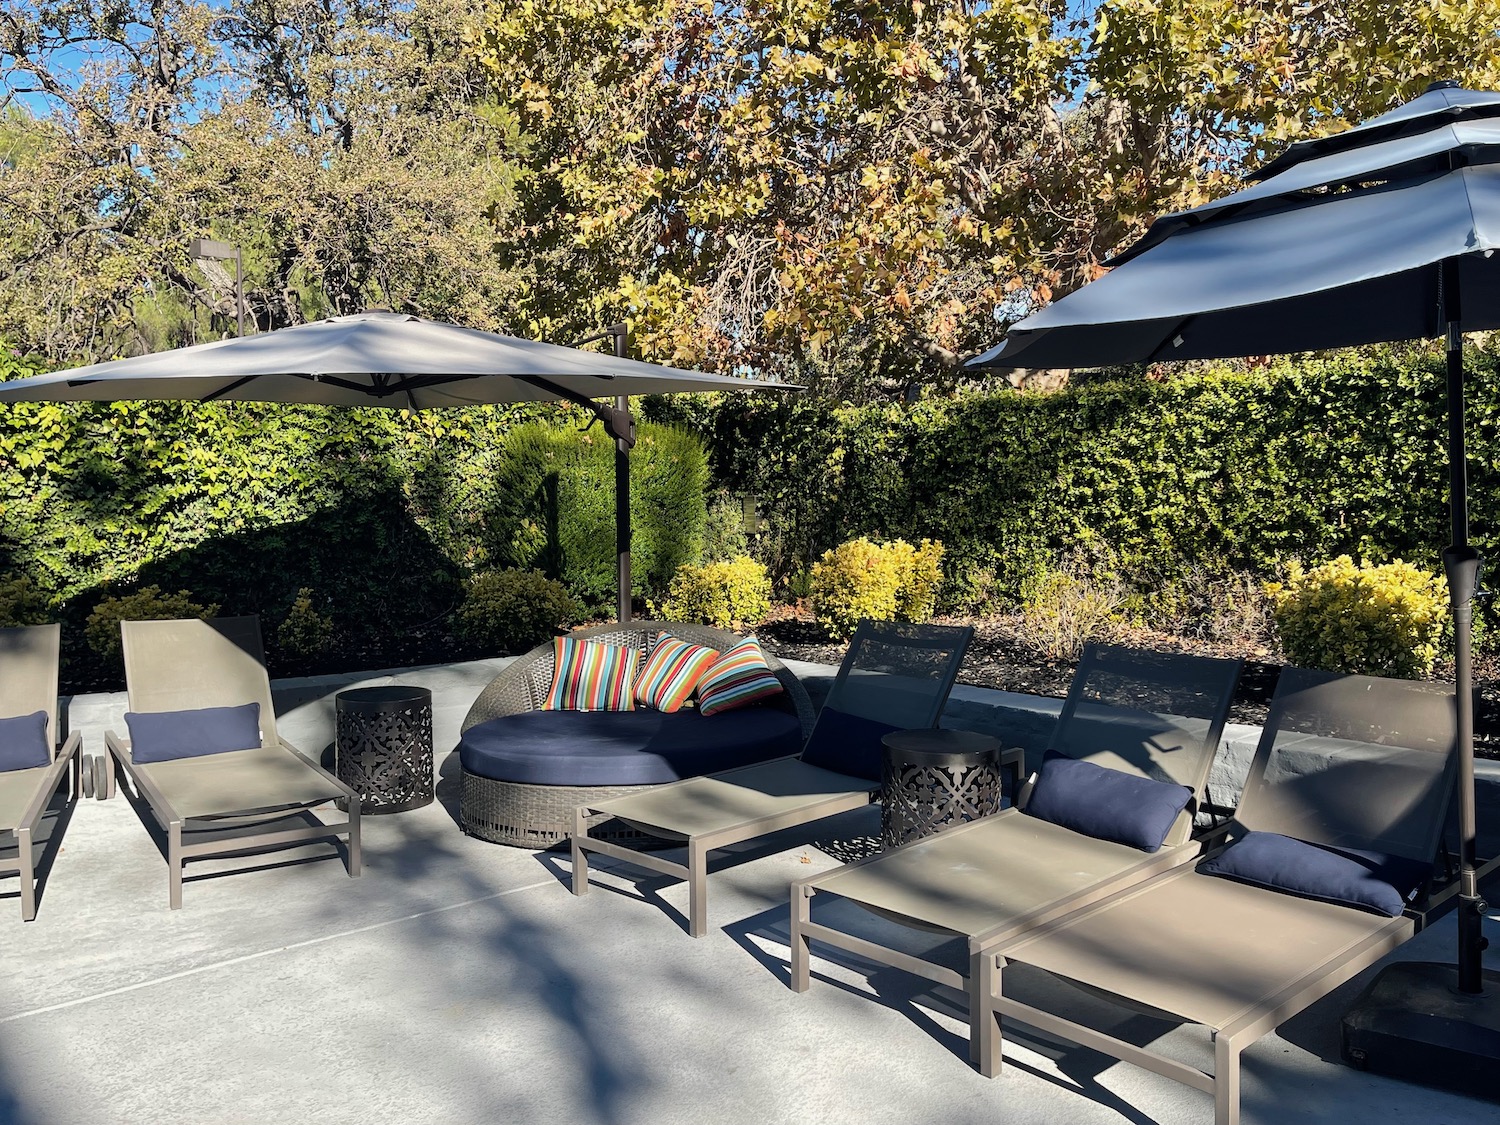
[[228, 388]]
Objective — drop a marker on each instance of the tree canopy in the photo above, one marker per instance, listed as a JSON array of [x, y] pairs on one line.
[[854, 194], [345, 145]]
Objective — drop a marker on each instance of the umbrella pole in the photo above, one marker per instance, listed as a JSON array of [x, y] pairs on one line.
[[1461, 562], [622, 496]]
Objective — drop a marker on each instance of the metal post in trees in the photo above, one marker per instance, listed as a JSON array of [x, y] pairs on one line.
[[209, 249]]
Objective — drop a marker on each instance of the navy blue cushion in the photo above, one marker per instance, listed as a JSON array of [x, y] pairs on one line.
[[847, 744], [1106, 804], [643, 747], [1367, 880], [160, 736], [23, 742]]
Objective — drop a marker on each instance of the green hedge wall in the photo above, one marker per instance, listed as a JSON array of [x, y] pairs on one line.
[[1219, 469], [382, 514], [551, 507]]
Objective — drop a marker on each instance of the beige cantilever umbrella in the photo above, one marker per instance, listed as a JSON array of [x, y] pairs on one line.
[[393, 360]]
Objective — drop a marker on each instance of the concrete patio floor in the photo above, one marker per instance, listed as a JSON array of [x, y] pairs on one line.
[[457, 981]]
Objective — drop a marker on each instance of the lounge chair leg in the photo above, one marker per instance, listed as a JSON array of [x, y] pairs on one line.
[[1226, 1082], [174, 865], [697, 889], [801, 968], [580, 881], [355, 863], [976, 1009], [28, 874], [984, 985]]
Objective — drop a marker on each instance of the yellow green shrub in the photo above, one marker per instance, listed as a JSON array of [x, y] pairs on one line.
[[922, 577], [884, 582], [727, 594], [1384, 620]]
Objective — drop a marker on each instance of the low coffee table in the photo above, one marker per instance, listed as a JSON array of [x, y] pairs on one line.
[[384, 746], [934, 779]]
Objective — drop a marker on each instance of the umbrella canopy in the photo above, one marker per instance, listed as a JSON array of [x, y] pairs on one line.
[[1294, 263], [371, 359], [393, 360], [1386, 231]]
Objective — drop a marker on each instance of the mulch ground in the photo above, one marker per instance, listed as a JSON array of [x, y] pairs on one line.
[[1000, 657]]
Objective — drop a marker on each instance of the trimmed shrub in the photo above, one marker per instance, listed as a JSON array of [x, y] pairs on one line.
[[22, 603], [551, 507], [731, 594], [724, 536], [1064, 607], [148, 604], [884, 582], [304, 631], [855, 580], [921, 578], [513, 610], [1384, 620]]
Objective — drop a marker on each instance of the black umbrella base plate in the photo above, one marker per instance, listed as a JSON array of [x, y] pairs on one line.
[[1412, 1023]]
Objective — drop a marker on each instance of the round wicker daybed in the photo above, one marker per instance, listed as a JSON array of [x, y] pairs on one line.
[[524, 770]]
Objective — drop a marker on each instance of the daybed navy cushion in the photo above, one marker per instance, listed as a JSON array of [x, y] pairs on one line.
[[1367, 880], [642, 747], [160, 736], [847, 744], [23, 742], [1106, 804]]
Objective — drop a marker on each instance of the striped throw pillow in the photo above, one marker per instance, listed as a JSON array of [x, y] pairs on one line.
[[671, 672], [591, 676], [738, 678]]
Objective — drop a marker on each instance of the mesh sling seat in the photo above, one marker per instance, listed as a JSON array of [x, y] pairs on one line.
[[216, 801], [1355, 765], [1142, 714], [893, 677], [29, 660], [524, 770]]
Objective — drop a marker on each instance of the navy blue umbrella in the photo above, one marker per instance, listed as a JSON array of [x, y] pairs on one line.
[[1384, 232]]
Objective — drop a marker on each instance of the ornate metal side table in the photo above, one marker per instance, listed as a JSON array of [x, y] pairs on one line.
[[384, 746], [933, 779]]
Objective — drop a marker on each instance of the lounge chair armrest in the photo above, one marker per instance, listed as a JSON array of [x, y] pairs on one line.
[[348, 793], [43, 795], [71, 746]]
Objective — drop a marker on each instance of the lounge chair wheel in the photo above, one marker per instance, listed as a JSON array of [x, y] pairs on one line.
[[101, 778], [86, 774]]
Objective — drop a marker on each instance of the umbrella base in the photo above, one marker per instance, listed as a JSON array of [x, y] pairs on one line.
[[1412, 1023]]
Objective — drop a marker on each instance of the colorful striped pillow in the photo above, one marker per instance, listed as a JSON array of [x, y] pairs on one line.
[[671, 672], [738, 678], [591, 676]]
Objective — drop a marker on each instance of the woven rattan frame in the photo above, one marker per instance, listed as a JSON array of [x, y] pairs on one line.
[[541, 816]]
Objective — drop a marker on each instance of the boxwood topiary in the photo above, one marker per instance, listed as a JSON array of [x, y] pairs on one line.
[[513, 610]]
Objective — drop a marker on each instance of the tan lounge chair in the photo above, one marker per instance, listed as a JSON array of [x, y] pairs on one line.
[[1151, 715], [29, 658], [1349, 762], [232, 800], [894, 677]]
